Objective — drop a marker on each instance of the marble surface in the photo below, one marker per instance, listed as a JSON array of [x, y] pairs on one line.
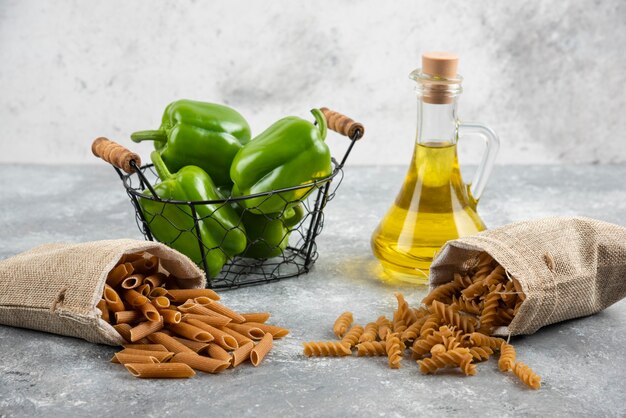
[[547, 76], [580, 360]]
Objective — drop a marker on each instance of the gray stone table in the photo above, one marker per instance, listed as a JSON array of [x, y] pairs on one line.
[[581, 361]]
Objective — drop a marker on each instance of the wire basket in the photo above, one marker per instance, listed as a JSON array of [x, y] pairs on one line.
[[278, 246]]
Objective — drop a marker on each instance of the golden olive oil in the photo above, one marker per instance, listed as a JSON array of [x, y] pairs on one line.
[[434, 206]]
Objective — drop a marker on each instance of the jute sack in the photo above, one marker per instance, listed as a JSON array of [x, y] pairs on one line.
[[55, 287], [568, 267]]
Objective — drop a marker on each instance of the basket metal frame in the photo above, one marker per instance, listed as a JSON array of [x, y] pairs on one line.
[[308, 253]]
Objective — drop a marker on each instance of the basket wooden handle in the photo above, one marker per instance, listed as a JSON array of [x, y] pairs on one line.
[[114, 153], [343, 124]]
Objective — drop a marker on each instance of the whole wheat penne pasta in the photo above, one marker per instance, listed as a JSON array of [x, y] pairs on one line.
[[194, 308], [217, 352], [227, 312], [169, 342], [204, 364], [191, 332], [161, 356], [158, 291], [134, 298], [144, 289], [161, 302], [241, 339], [203, 300], [114, 302], [277, 332], [144, 329], [115, 276], [250, 331], [215, 321], [259, 317], [146, 265], [132, 281], [261, 349], [132, 358], [196, 346], [227, 341], [149, 312], [102, 305], [160, 370], [149, 347], [129, 258], [154, 280], [171, 316], [181, 295], [126, 317], [123, 330], [242, 354]]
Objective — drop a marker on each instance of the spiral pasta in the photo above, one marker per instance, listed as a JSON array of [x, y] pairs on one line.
[[394, 352], [412, 332], [371, 348], [404, 312], [460, 357], [466, 305], [448, 314], [369, 333], [423, 345], [430, 325], [490, 309], [384, 326], [351, 338], [507, 357], [342, 323], [527, 375], [476, 338], [480, 353], [326, 349]]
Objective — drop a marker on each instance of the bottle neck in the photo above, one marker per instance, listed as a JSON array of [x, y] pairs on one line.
[[437, 123]]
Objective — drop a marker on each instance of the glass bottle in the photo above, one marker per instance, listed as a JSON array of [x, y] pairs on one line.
[[435, 204]]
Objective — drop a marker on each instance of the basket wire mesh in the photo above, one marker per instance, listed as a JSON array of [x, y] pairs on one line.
[[283, 256]]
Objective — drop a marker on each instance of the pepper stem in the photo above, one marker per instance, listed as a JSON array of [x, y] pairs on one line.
[[156, 135], [159, 166], [321, 122]]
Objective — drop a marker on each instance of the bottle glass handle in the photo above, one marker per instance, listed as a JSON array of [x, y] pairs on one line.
[[489, 156]]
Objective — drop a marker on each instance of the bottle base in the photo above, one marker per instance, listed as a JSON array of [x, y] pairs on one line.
[[394, 274]]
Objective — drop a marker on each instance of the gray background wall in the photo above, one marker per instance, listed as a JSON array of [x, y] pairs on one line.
[[548, 76]]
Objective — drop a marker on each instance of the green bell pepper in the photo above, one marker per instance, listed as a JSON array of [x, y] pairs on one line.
[[268, 235], [220, 226], [291, 152], [206, 135]]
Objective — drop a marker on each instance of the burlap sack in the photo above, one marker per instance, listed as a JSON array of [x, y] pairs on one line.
[[568, 267], [55, 287]]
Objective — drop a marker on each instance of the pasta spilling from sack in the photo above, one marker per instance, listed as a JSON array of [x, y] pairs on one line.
[[453, 328], [171, 331]]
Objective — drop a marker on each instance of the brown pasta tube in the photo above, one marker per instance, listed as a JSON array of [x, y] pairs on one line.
[[217, 352], [161, 302], [171, 316], [242, 354], [144, 329], [192, 332], [114, 302], [181, 295], [149, 347], [259, 317], [168, 342], [277, 332], [102, 305], [225, 311], [127, 317], [123, 330], [155, 280], [160, 370], [207, 319], [124, 358], [241, 339], [115, 276], [158, 291], [149, 312], [161, 356], [132, 281], [227, 341], [248, 330], [134, 298], [196, 346], [204, 364], [261, 349]]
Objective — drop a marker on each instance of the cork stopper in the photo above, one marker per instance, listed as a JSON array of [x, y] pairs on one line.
[[440, 64]]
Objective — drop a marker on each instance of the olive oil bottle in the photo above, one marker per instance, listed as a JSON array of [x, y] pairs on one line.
[[434, 204]]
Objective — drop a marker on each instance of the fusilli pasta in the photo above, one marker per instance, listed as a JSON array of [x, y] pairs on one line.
[[342, 323], [326, 349], [526, 375]]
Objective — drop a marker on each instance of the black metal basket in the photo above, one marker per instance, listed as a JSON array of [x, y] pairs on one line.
[[292, 255]]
